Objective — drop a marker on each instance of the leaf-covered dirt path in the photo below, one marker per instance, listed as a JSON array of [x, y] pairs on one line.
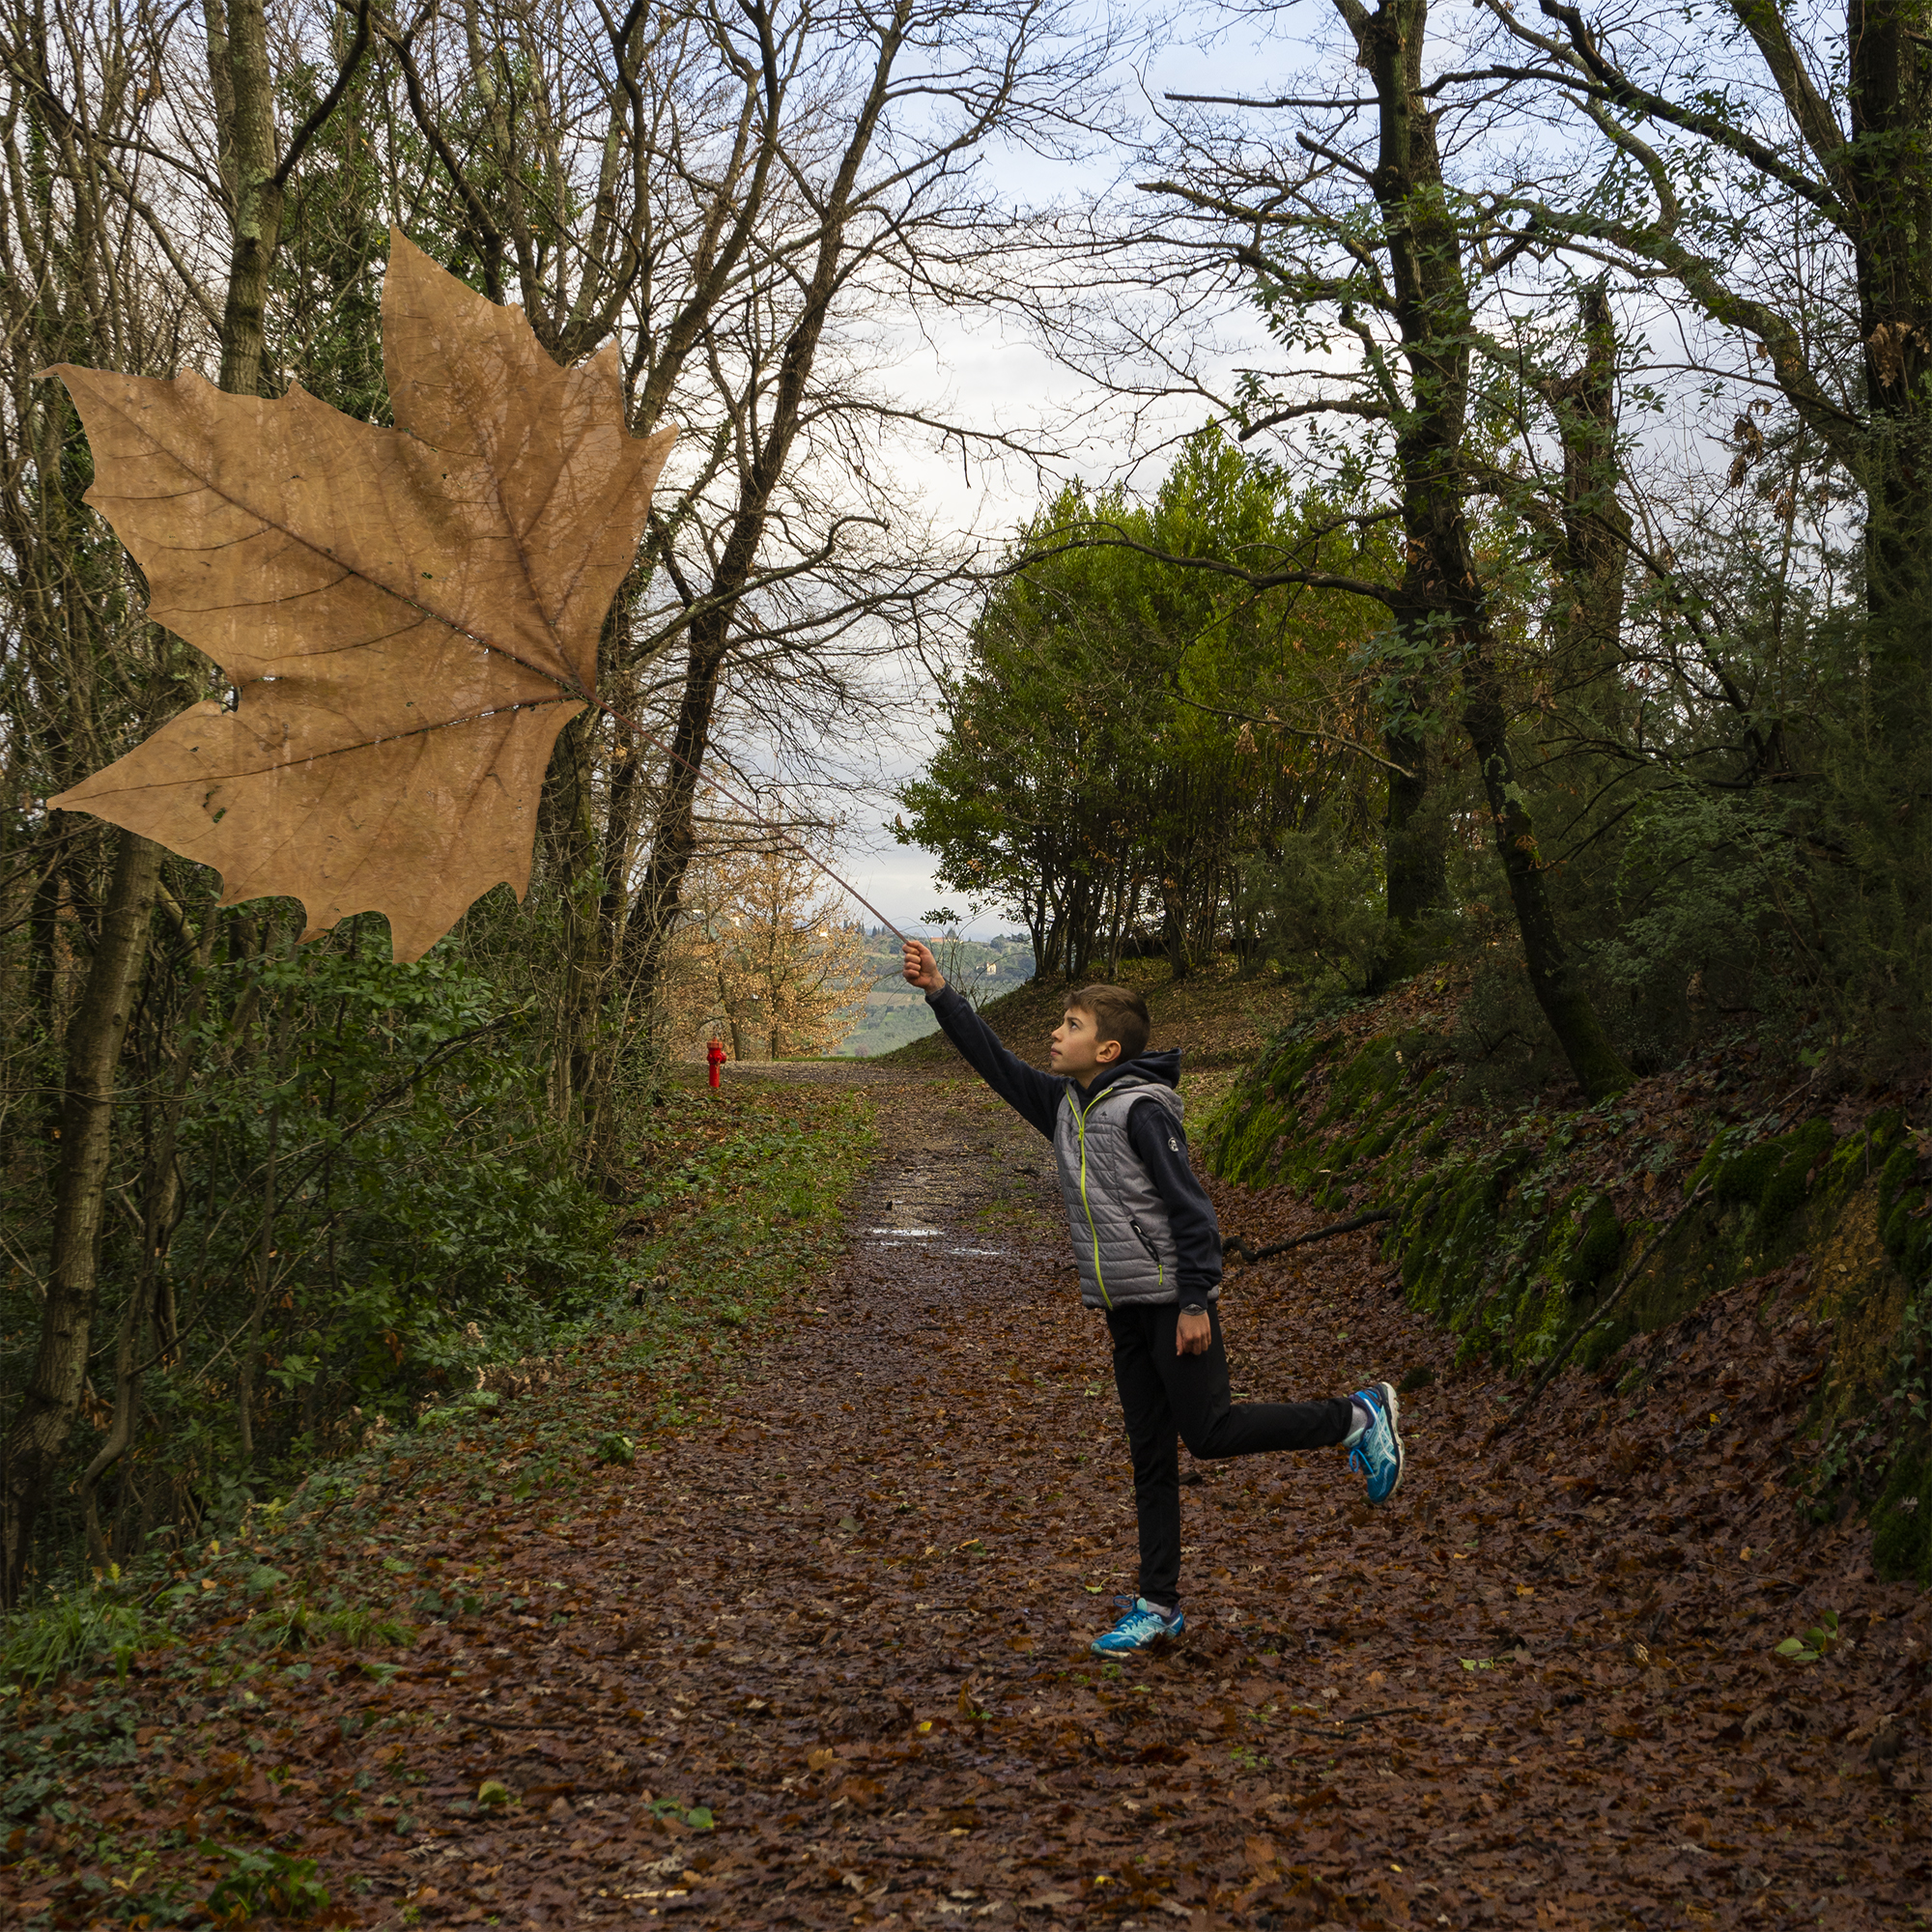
[[846, 1612]]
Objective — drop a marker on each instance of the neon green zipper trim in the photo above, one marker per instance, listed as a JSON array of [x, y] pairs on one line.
[[1080, 1134]]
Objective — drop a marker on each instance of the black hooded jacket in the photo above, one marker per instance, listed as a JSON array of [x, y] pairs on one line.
[[1153, 1132]]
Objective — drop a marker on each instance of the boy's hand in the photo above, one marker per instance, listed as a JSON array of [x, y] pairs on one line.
[[921, 969], [1193, 1333]]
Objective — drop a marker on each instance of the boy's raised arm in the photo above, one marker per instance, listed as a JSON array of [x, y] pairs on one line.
[[1031, 1093]]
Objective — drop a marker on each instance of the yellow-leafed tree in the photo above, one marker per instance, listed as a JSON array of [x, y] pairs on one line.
[[766, 952]]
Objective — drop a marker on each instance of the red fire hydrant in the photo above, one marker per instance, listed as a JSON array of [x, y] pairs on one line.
[[715, 1054]]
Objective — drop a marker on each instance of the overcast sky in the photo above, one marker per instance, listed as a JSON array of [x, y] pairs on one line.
[[986, 369]]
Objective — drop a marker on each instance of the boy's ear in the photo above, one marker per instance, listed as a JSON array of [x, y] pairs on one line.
[[1107, 1051]]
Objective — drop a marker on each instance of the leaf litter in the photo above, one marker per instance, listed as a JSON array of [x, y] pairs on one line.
[[818, 1655]]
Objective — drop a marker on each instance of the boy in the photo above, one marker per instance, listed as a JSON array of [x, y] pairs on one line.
[[1150, 1255]]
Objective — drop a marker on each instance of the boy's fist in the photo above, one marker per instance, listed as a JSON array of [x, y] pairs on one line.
[[921, 969], [1193, 1332]]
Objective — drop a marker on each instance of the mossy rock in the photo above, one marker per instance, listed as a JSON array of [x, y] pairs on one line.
[[1504, 1244], [1902, 1521], [1770, 1176], [1738, 1171], [1783, 1190], [1671, 1285], [1903, 1224], [1598, 1246]]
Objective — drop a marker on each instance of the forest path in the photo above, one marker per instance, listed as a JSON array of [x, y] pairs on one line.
[[848, 1615], [841, 1612]]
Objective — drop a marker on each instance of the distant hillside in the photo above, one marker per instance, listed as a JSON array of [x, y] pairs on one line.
[[895, 1016]]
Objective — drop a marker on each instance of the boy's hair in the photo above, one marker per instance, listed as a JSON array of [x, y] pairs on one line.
[[1119, 1013]]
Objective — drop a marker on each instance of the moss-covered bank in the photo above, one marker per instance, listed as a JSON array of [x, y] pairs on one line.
[[1525, 1233]]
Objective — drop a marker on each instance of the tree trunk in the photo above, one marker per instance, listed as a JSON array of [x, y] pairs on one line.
[[1443, 597], [1416, 856], [659, 901], [1553, 975], [245, 94], [249, 1356], [593, 864], [146, 1331], [42, 928], [1035, 908], [1593, 558], [42, 1424], [1890, 97], [655, 910], [570, 822]]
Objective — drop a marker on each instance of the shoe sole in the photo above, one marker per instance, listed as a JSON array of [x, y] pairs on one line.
[[1135, 1650], [1392, 1408]]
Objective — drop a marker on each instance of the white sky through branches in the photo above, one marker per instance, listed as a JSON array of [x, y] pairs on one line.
[[988, 369]]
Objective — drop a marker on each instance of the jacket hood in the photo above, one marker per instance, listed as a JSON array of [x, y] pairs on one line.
[[1162, 1069]]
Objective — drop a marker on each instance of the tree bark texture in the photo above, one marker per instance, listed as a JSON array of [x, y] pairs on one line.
[[579, 867], [1593, 556], [147, 1332], [1890, 164], [245, 94], [1444, 610], [660, 896], [95, 1036]]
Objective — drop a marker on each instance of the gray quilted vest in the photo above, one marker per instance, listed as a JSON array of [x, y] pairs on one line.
[[1122, 1239]]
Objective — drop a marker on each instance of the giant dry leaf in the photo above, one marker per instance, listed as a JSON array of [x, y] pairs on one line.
[[409, 616]]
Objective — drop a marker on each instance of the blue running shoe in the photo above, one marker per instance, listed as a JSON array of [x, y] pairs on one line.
[[1144, 1624], [1378, 1455]]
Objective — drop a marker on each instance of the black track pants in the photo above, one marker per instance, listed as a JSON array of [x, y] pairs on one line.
[[1164, 1394]]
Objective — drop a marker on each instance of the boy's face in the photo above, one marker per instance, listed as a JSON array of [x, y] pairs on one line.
[[1077, 1050]]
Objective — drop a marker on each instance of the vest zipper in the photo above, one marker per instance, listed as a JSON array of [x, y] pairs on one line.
[[1080, 1134]]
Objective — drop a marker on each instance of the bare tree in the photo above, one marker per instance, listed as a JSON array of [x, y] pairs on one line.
[[765, 180]]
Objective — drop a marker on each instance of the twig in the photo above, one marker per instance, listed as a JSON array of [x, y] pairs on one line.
[[1590, 1321], [1236, 1245]]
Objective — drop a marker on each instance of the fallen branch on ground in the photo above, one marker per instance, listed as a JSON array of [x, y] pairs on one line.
[[1235, 1245]]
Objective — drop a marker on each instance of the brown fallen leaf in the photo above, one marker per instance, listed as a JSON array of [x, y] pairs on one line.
[[410, 615], [1400, 1804]]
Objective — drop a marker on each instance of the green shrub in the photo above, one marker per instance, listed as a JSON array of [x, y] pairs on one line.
[[86, 1630], [1319, 907], [260, 1880]]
